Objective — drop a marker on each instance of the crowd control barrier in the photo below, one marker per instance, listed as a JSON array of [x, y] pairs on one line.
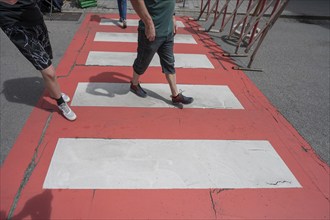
[[251, 21]]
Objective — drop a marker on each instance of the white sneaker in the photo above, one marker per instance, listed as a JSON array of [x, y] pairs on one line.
[[67, 112], [65, 97]]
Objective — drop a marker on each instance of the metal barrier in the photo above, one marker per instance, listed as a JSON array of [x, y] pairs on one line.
[[254, 23]]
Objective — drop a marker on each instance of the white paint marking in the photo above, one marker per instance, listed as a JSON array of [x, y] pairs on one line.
[[118, 95], [101, 58], [130, 22], [166, 164], [132, 38]]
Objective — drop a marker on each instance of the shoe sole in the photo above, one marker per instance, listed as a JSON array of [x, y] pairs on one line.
[[178, 105], [69, 119], [175, 103]]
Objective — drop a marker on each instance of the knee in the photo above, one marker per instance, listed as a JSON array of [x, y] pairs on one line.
[[49, 74]]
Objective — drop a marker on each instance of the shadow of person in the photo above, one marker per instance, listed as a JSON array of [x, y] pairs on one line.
[[97, 19], [26, 91], [157, 96], [38, 207], [103, 90], [116, 89], [2, 215]]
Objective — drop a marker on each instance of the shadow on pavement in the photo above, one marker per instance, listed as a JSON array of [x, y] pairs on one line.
[[116, 77], [26, 91], [38, 207]]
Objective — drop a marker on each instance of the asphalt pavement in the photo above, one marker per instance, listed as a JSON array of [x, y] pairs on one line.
[[294, 58]]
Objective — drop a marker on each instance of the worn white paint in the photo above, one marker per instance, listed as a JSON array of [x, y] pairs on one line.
[[130, 22], [133, 37], [102, 58], [166, 164], [118, 95]]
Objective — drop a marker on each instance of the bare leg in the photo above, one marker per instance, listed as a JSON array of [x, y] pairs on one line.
[[49, 76], [136, 77], [171, 79]]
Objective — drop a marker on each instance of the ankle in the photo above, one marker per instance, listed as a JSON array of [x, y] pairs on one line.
[[60, 101], [133, 82], [175, 96]]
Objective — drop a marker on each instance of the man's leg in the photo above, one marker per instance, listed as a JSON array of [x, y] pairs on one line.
[[171, 79], [166, 55], [122, 7], [135, 86], [146, 51], [51, 84], [33, 43], [135, 78], [177, 98]]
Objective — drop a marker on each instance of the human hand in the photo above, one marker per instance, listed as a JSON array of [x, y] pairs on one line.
[[175, 27], [150, 32], [10, 2]]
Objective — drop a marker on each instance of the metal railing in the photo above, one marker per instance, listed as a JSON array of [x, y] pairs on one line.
[[251, 21]]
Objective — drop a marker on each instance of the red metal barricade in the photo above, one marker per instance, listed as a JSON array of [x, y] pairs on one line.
[[251, 21]]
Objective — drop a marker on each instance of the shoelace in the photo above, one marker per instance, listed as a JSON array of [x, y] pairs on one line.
[[65, 108], [180, 92]]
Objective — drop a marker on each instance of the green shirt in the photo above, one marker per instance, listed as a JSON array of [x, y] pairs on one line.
[[161, 12]]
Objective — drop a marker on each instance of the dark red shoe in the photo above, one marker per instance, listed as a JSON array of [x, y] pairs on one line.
[[182, 99], [137, 89]]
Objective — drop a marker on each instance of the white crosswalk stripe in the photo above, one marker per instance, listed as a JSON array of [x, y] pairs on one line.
[[132, 38], [105, 58], [166, 164], [130, 22], [118, 95]]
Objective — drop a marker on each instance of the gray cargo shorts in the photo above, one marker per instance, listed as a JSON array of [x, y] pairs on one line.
[[163, 46]]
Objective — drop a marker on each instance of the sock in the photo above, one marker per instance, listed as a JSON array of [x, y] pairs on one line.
[[59, 101]]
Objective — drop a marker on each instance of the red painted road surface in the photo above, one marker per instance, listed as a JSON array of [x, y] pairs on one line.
[[24, 171]]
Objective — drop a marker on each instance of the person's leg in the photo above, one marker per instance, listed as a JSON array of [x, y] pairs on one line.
[[167, 60], [145, 53], [124, 12], [171, 79], [51, 84], [33, 43], [135, 78], [48, 73], [120, 8], [124, 9]]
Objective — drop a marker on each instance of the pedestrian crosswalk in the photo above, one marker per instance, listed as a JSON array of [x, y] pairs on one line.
[[229, 154], [156, 163]]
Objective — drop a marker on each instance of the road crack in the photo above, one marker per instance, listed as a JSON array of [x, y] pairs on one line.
[[29, 170]]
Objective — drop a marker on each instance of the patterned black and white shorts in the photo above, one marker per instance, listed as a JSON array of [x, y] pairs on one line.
[[33, 42]]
